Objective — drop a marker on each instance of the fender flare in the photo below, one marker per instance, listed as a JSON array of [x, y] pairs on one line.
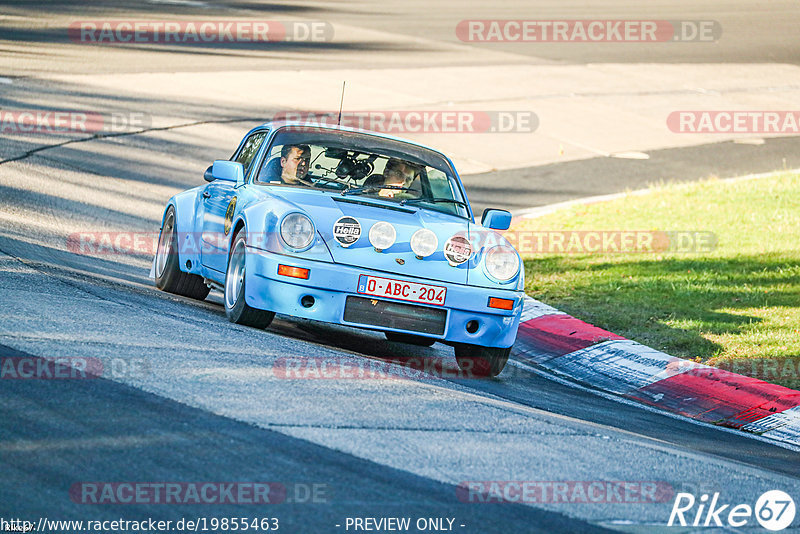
[[189, 243]]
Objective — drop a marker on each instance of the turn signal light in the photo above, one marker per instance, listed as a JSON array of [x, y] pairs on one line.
[[294, 272], [501, 304]]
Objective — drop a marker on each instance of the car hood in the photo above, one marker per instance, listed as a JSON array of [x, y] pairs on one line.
[[325, 209]]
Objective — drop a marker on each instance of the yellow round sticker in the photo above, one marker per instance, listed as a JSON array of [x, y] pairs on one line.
[[229, 215]]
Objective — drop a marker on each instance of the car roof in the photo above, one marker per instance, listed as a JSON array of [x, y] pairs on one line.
[[274, 125], [280, 124]]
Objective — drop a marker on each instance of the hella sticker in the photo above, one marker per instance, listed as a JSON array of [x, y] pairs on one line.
[[346, 231], [457, 250]]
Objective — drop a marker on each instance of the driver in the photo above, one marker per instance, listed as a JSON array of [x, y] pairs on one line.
[[397, 174], [295, 160]]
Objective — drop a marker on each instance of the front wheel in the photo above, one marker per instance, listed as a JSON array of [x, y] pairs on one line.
[[481, 361], [236, 308]]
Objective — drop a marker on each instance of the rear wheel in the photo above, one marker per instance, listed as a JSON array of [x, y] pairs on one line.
[[168, 275], [411, 339], [236, 308], [481, 361]]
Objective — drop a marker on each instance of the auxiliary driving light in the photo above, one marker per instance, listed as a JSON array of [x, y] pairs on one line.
[[382, 235], [424, 243]]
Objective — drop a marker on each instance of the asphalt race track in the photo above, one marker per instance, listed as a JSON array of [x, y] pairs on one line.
[[188, 397]]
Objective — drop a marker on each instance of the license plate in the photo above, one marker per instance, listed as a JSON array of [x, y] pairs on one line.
[[397, 289]]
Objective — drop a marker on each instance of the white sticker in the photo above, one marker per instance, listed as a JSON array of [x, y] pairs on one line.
[[346, 231], [457, 250]]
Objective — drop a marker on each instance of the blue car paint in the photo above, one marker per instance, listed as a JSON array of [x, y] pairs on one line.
[[259, 208], [496, 219], [330, 284]]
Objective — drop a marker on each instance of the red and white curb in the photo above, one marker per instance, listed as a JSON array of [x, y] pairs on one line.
[[585, 353]]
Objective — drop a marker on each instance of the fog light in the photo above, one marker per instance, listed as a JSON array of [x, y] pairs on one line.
[[424, 243], [307, 301], [382, 235], [472, 326]]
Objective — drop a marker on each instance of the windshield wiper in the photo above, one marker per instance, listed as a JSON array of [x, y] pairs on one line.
[[432, 200], [359, 190]]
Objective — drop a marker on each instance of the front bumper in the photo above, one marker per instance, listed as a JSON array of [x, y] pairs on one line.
[[330, 284]]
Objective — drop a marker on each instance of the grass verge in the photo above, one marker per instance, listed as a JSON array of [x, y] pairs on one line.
[[732, 302]]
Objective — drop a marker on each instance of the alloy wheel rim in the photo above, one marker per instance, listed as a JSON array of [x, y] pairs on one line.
[[235, 277], [164, 244]]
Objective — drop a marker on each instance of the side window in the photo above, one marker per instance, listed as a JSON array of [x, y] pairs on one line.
[[271, 166], [249, 150], [444, 187]]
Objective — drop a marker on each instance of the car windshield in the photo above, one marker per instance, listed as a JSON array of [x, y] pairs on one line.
[[353, 163]]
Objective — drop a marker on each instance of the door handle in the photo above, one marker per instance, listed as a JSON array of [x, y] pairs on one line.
[[206, 194]]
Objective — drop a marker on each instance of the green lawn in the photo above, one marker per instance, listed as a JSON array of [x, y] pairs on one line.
[[736, 306]]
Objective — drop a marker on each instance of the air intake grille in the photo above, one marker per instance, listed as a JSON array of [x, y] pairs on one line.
[[408, 317]]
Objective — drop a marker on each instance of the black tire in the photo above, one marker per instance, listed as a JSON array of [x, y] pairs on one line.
[[481, 361], [168, 275], [410, 339], [236, 308]]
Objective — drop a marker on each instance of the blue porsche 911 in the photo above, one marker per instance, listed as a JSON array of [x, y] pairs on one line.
[[349, 227]]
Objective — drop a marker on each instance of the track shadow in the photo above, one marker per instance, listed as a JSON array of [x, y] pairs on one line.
[[58, 434]]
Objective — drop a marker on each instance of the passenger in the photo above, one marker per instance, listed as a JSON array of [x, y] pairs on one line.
[[399, 175]]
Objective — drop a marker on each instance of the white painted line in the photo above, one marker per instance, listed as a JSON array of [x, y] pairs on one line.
[[630, 155], [749, 141], [192, 3], [7, 81], [711, 92], [609, 396]]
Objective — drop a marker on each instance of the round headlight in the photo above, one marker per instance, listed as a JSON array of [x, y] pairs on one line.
[[424, 243], [297, 231], [382, 235], [502, 263]]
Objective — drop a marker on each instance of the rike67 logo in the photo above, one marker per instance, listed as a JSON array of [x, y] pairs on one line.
[[774, 510]]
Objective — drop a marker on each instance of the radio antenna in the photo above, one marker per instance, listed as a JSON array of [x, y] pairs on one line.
[[341, 103]]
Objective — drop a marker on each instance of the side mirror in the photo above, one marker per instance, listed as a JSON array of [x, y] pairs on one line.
[[229, 171], [496, 219], [207, 176]]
